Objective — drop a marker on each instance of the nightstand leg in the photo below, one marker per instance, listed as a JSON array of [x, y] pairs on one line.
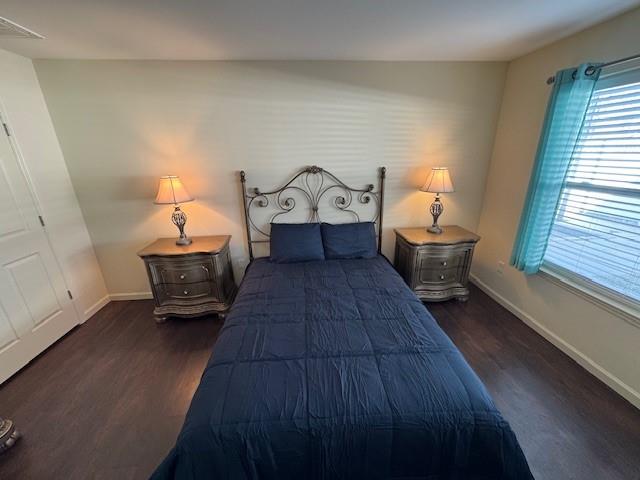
[[8, 434]]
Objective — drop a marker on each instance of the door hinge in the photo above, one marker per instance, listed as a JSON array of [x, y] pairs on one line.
[[6, 129], [41, 220], [69, 293]]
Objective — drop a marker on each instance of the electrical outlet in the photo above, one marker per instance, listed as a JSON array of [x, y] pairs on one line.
[[500, 269]]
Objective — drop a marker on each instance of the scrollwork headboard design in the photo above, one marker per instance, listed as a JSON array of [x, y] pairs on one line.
[[310, 186]]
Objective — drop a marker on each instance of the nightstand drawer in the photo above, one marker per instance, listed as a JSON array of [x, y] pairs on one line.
[[438, 276], [179, 272], [439, 260], [169, 293]]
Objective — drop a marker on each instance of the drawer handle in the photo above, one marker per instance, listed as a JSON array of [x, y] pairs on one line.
[[182, 276], [441, 277], [186, 292]]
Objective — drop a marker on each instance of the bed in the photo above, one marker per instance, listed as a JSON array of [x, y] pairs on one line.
[[335, 369]]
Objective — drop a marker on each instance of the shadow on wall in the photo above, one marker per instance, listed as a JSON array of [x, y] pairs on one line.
[[205, 121]]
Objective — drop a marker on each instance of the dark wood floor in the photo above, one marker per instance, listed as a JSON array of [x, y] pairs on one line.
[[108, 400]]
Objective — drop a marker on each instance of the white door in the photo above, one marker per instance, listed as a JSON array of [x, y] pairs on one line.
[[35, 309]]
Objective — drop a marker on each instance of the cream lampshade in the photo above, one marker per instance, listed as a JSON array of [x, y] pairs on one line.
[[438, 181], [172, 191]]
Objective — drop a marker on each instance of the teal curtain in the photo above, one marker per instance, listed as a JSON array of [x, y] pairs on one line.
[[566, 110]]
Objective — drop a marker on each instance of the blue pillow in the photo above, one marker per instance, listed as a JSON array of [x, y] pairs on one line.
[[296, 242], [349, 240]]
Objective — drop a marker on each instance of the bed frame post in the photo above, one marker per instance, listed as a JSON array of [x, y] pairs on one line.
[[243, 181], [382, 176]]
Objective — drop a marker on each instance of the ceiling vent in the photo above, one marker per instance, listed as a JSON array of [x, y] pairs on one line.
[[9, 29]]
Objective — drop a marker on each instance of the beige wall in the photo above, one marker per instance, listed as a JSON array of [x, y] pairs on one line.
[[123, 124], [606, 345], [22, 102]]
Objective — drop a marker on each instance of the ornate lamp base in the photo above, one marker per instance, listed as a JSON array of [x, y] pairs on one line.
[[183, 240], [8, 434], [436, 210], [179, 219]]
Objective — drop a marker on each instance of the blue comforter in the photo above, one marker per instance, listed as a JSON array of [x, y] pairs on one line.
[[334, 369]]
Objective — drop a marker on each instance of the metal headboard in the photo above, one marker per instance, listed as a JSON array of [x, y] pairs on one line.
[[311, 184]]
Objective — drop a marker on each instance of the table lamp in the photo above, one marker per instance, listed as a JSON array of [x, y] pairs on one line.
[[172, 191], [438, 181]]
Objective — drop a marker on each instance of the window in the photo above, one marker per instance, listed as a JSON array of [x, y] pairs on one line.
[[595, 238]]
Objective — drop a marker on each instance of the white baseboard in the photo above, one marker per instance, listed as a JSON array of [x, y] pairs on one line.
[[583, 360], [117, 297], [93, 309]]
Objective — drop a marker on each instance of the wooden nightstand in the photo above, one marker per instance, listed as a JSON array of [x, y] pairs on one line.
[[435, 266], [190, 280]]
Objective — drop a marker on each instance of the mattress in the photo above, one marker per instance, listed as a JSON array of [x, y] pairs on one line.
[[334, 369]]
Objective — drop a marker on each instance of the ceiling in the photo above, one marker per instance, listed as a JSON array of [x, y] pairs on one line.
[[299, 29]]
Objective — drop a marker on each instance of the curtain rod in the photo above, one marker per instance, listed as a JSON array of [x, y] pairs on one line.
[[590, 70]]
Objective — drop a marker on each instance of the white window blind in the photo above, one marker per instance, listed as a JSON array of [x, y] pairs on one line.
[[596, 232]]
